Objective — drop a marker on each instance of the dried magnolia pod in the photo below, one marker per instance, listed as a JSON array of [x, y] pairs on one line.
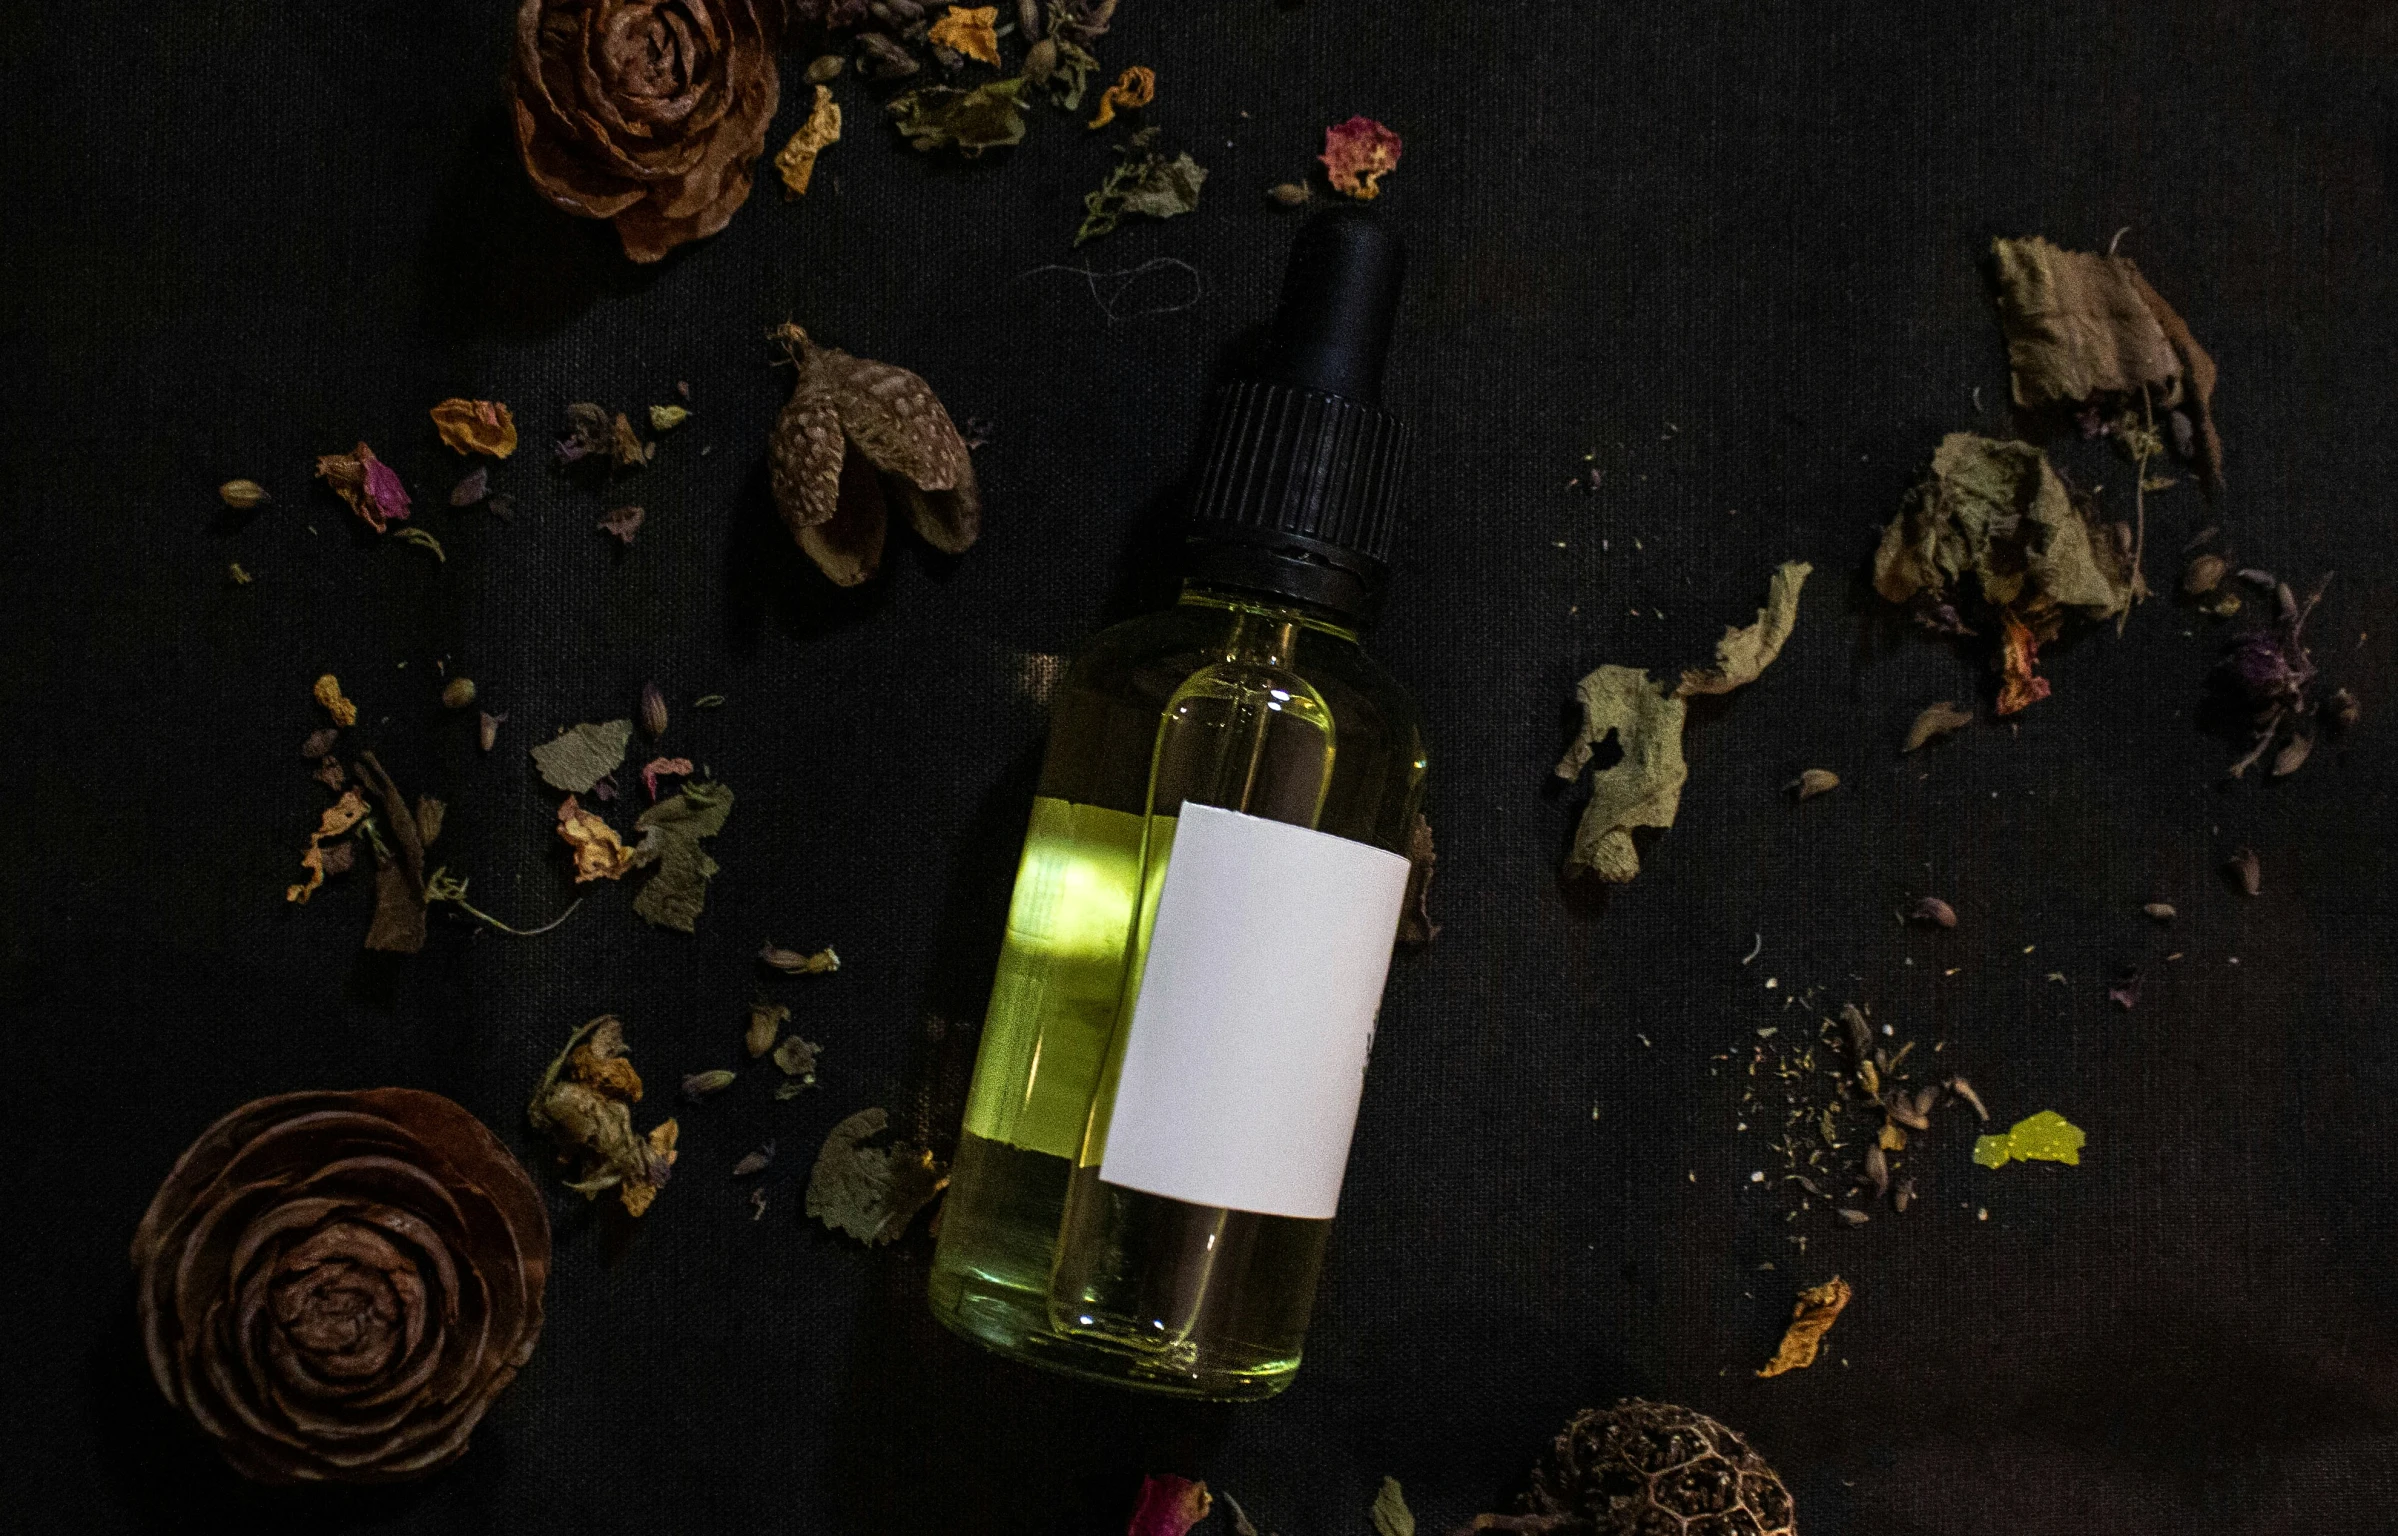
[[336, 1285], [907, 450], [651, 113]]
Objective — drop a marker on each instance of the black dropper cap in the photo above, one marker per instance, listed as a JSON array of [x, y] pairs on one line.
[[1300, 494]]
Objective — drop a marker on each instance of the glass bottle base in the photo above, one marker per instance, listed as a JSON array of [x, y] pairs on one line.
[[1015, 1323]]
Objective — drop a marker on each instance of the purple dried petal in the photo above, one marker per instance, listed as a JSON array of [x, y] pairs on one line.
[[2126, 989]]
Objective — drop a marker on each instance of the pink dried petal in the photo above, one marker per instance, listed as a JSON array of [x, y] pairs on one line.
[[383, 489], [1356, 153], [656, 766], [1169, 1506]]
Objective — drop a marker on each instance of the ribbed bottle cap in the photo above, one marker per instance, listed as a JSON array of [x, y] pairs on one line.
[[1300, 493]]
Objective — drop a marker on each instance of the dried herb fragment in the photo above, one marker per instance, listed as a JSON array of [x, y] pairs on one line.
[[671, 832], [1356, 154], [235, 575], [476, 426], [2124, 990], [792, 962], [338, 819], [367, 483], [599, 853], [328, 693], [422, 540], [243, 495], [766, 1021], [2045, 1137], [1933, 910], [576, 759], [990, 116], [1813, 782], [1423, 860], [796, 164], [871, 1193], [968, 30], [797, 1059], [623, 522], [583, 1104], [1818, 1307], [474, 486], [658, 767], [1168, 1506], [458, 693], [698, 1085], [1744, 653], [1134, 89], [1143, 182], [1937, 720], [1390, 1513]]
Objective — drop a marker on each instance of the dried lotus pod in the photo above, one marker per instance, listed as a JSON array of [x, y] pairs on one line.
[[1651, 1469], [907, 450]]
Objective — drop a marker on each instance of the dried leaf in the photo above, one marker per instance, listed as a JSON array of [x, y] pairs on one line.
[[1744, 653], [990, 116], [2045, 1137], [1356, 153], [671, 832], [766, 1021], [1145, 183], [472, 487], [599, 853], [1168, 1506], [797, 1058], [698, 1085], [1134, 89], [968, 30], [235, 575], [1391, 1515], [2077, 327], [367, 483], [1415, 917], [871, 1193], [476, 426], [797, 166], [1813, 782], [577, 759], [1811, 1318], [623, 522], [1644, 789], [1936, 720], [2018, 655], [583, 1105], [657, 767], [338, 818], [328, 693], [243, 495], [399, 923], [792, 962], [422, 540]]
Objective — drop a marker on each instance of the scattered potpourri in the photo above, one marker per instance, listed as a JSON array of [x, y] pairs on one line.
[[370, 486], [583, 1105]]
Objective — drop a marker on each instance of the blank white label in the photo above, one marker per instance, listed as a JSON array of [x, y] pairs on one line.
[[1256, 1012]]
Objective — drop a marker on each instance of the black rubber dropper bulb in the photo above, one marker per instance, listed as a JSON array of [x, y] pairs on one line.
[[1340, 292]]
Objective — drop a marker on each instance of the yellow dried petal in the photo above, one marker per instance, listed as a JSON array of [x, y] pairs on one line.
[[328, 693], [339, 817], [1817, 1308], [476, 426], [969, 30], [797, 162], [599, 853], [1136, 87]]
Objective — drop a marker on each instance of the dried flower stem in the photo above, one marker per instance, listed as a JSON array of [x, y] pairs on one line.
[[442, 887]]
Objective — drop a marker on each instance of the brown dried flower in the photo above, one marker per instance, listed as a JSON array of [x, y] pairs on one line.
[[647, 112], [336, 1285], [906, 446]]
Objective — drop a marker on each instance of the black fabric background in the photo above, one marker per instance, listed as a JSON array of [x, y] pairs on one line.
[[1732, 250]]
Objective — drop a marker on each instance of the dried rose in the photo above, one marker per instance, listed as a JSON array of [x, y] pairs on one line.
[[832, 498], [1168, 1506], [647, 112], [369, 485], [476, 426], [335, 1286], [1356, 153]]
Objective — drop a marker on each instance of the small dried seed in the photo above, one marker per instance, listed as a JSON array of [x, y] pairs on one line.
[[1290, 194], [1933, 910], [699, 1085], [653, 710], [2293, 753], [1937, 720], [2162, 911], [1964, 1090], [1813, 782], [2245, 869], [825, 68], [1877, 1170], [458, 693], [1899, 1105], [242, 495], [1853, 1216], [2203, 574]]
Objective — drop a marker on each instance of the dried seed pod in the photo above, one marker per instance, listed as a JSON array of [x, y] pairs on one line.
[[1937, 720], [1813, 782], [1853, 1216], [2341, 710], [2204, 574], [1040, 61], [1933, 910], [458, 692], [1964, 1090], [755, 1162], [2162, 911], [653, 710], [1877, 1169], [1904, 1195], [1900, 1106], [242, 495], [825, 68], [2293, 753], [1290, 194], [885, 59], [2247, 871], [698, 1085]]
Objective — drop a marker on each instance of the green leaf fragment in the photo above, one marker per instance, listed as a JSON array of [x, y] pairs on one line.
[[575, 760], [1644, 789], [2046, 1137], [422, 540], [671, 831], [990, 116], [1148, 184], [1392, 1517], [1743, 653], [871, 1193]]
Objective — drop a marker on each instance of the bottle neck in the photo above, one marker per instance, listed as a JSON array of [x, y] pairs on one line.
[[1270, 609]]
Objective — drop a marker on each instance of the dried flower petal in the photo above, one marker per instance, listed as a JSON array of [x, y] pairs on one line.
[[1168, 1506], [599, 854], [1935, 721], [1356, 153], [2342, 710], [766, 1021], [1933, 910], [2124, 991], [2293, 753], [329, 773], [487, 730], [367, 483], [665, 418], [583, 1105], [243, 495], [968, 30], [328, 693], [2203, 574], [320, 741], [458, 693], [1817, 1308], [1746, 651], [792, 962], [796, 164], [2247, 871], [625, 445], [2020, 686], [1813, 782], [623, 522], [476, 426], [337, 819], [472, 487], [1134, 89]]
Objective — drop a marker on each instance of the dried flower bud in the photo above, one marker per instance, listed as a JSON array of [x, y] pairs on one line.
[[488, 730], [1290, 194], [1813, 782], [885, 59], [653, 710], [1854, 1217], [824, 68], [459, 693], [1933, 910], [2342, 709], [1877, 1170], [2162, 911], [1905, 1195], [755, 1162], [242, 495], [2247, 871], [766, 1021], [2293, 753], [2203, 574], [1040, 61], [698, 1085]]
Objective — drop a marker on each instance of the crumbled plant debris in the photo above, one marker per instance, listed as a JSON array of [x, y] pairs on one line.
[[797, 1059], [422, 540], [1813, 782], [792, 962], [698, 1085], [623, 522], [1645, 788], [502, 507], [487, 729], [659, 767], [652, 713], [1811, 1317], [476, 426], [1356, 154], [243, 495], [576, 759], [2045, 1137], [1134, 89], [1168, 1506], [766, 1021], [583, 1104], [320, 741], [336, 821], [1423, 860], [1937, 720], [968, 30], [757, 1204], [458, 693], [990, 116], [398, 926], [605, 789], [2247, 872], [854, 434], [671, 832], [665, 418], [1390, 1513], [599, 854], [2037, 554], [330, 773], [2268, 674], [2162, 911], [755, 1162], [236, 576], [442, 886], [472, 489], [1144, 182], [369, 485], [2124, 990], [328, 693], [796, 164], [588, 435], [625, 446], [871, 1193], [1935, 911]]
